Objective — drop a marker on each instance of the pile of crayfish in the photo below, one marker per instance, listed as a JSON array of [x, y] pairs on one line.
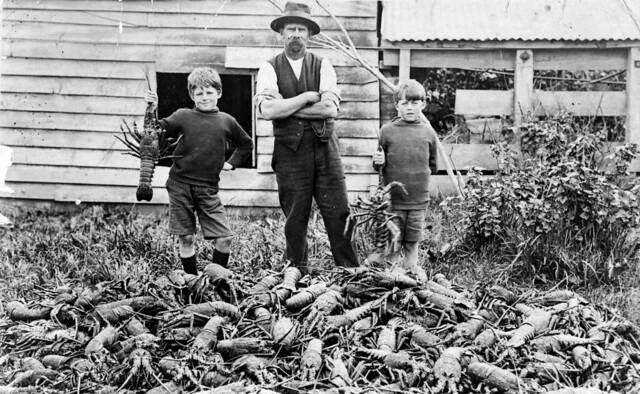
[[361, 330]]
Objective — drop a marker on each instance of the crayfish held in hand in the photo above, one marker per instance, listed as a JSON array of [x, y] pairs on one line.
[[149, 145], [375, 216]]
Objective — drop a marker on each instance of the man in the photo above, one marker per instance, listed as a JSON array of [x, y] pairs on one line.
[[298, 92]]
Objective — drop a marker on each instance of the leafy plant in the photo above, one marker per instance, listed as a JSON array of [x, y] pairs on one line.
[[567, 196]]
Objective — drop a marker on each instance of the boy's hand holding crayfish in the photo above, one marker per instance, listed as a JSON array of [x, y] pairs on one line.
[[378, 157], [151, 98]]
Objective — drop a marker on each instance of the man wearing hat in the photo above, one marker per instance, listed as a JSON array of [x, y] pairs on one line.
[[297, 91]]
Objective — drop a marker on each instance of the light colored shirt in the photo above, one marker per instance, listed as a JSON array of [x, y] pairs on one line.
[[267, 83]]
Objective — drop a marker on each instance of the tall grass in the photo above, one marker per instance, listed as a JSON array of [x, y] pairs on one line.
[[565, 210], [47, 248]]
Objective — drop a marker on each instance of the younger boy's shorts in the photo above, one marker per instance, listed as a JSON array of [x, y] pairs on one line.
[[185, 200], [411, 224]]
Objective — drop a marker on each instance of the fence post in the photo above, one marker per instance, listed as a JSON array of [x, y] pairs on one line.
[[404, 64], [522, 89], [632, 134]]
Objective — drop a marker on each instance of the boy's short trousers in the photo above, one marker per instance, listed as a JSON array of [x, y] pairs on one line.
[[411, 223], [185, 200]]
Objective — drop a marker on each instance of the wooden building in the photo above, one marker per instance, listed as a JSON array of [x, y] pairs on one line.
[[520, 37], [71, 70]]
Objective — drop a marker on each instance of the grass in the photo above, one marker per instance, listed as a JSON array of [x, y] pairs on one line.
[[48, 248]]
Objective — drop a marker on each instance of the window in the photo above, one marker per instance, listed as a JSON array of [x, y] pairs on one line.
[[236, 100]]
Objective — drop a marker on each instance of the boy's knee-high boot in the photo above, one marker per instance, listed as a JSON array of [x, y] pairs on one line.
[[190, 265], [220, 258]]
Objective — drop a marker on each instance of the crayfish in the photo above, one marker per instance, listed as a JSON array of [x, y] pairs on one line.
[[150, 145], [375, 216]]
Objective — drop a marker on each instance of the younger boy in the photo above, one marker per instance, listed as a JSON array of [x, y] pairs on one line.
[[195, 173], [408, 154]]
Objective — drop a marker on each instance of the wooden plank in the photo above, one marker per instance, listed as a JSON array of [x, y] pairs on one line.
[[463, 156], [175, 19], [52, 49], [360, 92], [174, 36], [581, 103], [253, 57], [73, 104], [357, 158], [348, 146], [439, 186], [500, 103], [127, 195], [359, 128], [354, 75], [543, 59], [358, 110], [64, 175], [633, 97], [74, 157], [580, 59], [209, 7], [509, 44], [42, 138], [132, 70], [61, 121], [484, 102], [240, 179], [72, 68], [522, 88], [350, 164], [435, 58], [404, 64], [73, 86]]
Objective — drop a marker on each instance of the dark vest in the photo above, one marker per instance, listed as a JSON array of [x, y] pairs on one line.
[[288, 131]]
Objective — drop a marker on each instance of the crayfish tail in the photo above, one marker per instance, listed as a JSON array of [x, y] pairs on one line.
[[144, 193]]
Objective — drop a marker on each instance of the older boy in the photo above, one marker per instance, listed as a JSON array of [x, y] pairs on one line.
[[408, 154], [195, 173]]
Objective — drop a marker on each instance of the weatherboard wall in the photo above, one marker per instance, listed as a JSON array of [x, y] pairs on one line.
[[73, 69]]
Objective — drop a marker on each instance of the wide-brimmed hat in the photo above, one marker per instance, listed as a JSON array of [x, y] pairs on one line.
[[295, 13]]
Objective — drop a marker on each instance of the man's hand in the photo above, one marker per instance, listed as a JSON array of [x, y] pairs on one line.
[[151, 98], [378, 157], [227, 167], [311, 97]]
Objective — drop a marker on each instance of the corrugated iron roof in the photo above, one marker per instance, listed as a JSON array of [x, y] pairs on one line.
[[484, 20]]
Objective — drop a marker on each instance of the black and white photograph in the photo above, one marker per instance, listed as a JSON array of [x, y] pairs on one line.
[[320, 196]]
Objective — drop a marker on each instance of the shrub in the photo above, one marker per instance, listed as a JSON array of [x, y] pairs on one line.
[[564, 206]]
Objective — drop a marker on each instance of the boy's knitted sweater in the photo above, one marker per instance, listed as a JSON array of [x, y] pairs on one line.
[[411, 157], [203, 145]]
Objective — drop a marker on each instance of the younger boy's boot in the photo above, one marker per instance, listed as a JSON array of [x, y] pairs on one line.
[[220, 258], [189, 264]]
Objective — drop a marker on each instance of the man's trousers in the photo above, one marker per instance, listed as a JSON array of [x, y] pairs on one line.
[[313, 171]]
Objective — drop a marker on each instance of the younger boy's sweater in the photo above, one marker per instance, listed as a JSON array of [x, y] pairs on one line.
[[411, 157], [203, 145]]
